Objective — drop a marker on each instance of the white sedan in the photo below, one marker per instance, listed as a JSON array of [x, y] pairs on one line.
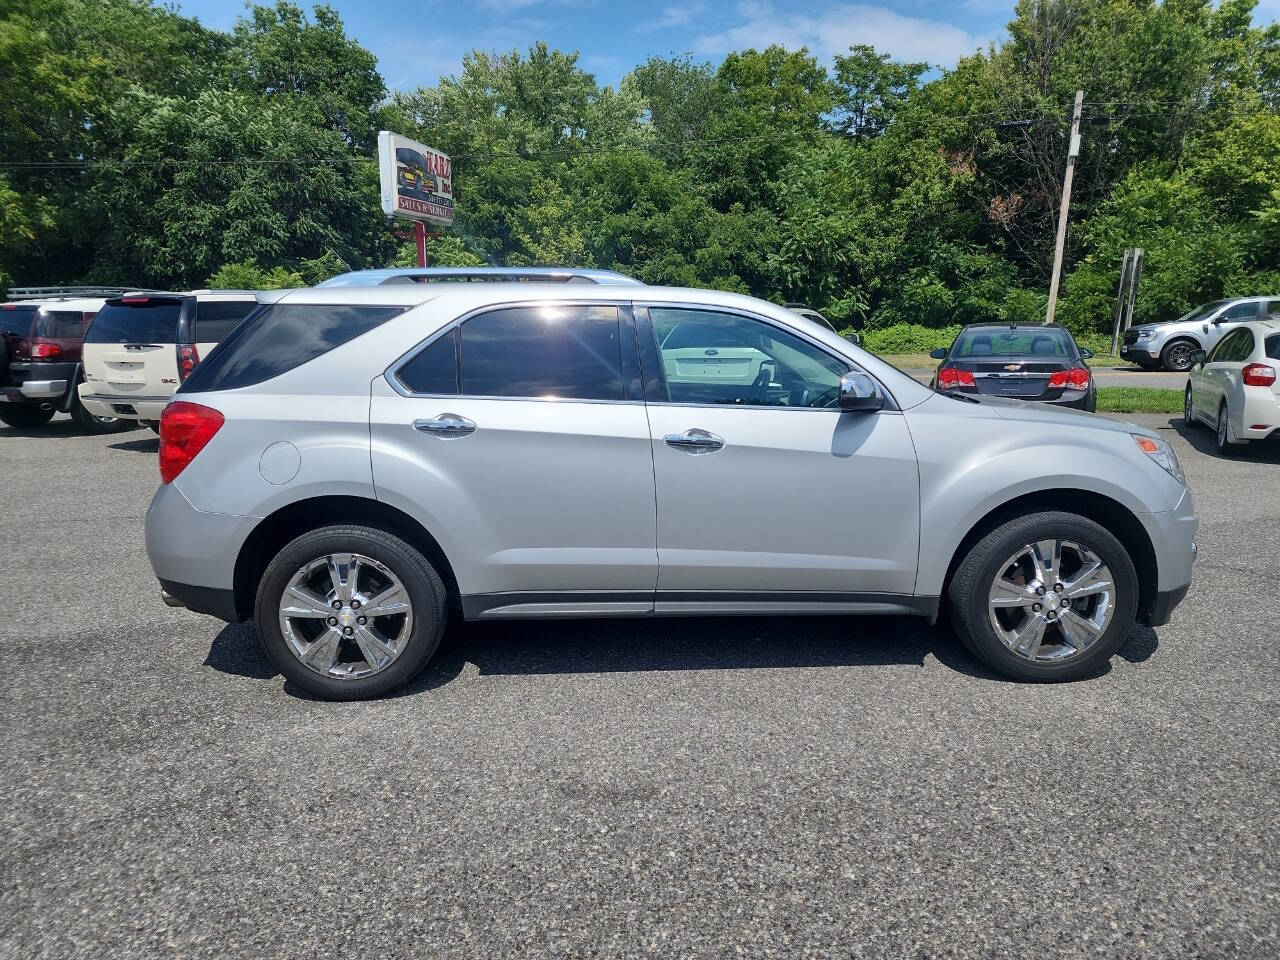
[[1234, 388]]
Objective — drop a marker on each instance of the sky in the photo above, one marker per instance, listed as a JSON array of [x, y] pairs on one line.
[[418, 41]]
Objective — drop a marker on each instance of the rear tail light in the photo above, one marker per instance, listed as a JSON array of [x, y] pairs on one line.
[[1076, 379], [185, 430], [44, 350], [188, 357], [949, 378], [1258, 375]]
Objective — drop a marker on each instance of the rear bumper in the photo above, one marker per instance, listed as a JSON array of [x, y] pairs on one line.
[[41, 382], [194, 553], [129, 408]]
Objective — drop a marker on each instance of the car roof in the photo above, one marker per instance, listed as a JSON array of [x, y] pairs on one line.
[[392, 275], [995, 325]]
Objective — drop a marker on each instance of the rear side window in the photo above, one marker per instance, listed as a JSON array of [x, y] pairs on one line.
[[217, 318], [544, 352], [280, 337], [1273, 346], [153, 320], [60, 323], [17, 320], [435, 369]]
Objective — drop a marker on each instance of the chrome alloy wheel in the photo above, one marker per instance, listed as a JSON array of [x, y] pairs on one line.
[[346, 616], [1051, 600]]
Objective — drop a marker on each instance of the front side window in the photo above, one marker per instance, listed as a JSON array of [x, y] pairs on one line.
[[1241, 311], [710, 356], [543, 351]]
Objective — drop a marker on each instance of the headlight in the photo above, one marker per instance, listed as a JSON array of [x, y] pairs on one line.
[[1160, 451], [1146, 334]]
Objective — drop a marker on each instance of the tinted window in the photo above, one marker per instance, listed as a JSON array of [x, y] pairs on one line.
[[1241, 311], [1273, 306], [280, 337], [1233, 348], [996, 342], [216, 318], [543, 351], [713, 357], [434, 369], [17, 320], [1273, 346], [60, 323], [150, 321]]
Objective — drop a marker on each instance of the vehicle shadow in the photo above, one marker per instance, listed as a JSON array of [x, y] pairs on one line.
[[1202, 439], [57, 429], [662, 644], [147, 444]]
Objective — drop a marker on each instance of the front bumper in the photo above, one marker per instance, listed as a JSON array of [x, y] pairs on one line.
[[1173, 537], [1144, 352]]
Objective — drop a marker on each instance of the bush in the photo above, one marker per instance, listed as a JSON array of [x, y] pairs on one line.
[[908, 338]]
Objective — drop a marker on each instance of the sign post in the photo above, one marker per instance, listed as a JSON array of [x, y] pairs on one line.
[[417, 184]]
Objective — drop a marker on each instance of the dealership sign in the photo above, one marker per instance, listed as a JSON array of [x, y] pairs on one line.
[[417, 181]]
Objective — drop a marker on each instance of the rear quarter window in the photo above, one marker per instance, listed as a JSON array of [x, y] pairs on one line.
[[152, 321], [67, 324], [1273, 346], [16, 320], [279, 338]]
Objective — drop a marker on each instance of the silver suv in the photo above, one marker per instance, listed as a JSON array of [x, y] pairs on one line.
[[350, 465], [1171, 345]]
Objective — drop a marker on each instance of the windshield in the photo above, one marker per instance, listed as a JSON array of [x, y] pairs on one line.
[[1196, 313], [995, 342]]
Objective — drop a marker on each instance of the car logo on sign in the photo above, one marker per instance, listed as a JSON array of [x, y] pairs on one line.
[[1013, 366]]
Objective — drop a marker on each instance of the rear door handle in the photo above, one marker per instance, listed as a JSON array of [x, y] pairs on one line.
[[446, 425], [695, 440]]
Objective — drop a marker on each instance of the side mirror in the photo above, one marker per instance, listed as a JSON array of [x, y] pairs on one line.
[[939, 353], [1198, 358], [853, 337], [858, 392], [1086, 353]]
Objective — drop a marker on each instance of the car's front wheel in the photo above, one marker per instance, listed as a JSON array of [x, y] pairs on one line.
[[350, 612], [1046, 597], [1177, 356]]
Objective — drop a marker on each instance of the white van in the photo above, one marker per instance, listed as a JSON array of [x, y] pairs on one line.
[[141, 346]]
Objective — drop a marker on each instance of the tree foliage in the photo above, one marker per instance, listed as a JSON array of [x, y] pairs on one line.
[[143, 148]]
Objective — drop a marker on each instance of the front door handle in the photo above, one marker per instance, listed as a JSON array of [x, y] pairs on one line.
[[446, 425], [695, 440]]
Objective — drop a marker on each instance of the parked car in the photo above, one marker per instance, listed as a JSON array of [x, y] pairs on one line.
[[40, 354], [1233, 389], [1025, 362], [807, 311], [1170, 345], [375, 278], [141, 346], [350, 464]]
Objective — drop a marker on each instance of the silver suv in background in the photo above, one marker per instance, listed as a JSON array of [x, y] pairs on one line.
[[1170, 345], [351, 464]]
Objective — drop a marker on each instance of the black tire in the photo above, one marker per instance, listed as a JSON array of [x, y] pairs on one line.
[[25, 416], [87, 422], [426, 591], [970, 589], [1222, 431], [152, 426], [1188, 416], [1176, 356]]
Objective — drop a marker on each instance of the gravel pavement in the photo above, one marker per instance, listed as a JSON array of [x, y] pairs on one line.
[[724, 787]]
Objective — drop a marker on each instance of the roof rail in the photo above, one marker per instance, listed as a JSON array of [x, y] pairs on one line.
[[36, 293]]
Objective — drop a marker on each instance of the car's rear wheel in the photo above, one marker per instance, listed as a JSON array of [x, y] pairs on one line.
[[1177, 356], [25, 416], [94, 424], [350, 612], [1045, 597], [1188, 409], [1222, 435]]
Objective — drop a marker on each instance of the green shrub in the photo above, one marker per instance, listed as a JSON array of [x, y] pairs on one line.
[[908, 338]]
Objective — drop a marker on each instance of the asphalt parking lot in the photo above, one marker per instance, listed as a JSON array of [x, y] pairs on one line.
[[756, 787]]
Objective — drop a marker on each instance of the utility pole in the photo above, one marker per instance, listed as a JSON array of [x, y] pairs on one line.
[[1073, 151]]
